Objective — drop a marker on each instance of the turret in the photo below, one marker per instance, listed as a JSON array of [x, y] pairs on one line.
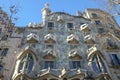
[[45, 11]]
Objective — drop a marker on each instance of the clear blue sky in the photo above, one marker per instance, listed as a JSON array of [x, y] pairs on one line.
[[30, 10]]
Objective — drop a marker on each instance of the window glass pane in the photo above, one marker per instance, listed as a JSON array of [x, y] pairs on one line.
[[70, 25], [4, 37], [94, 15], [75, 64], [27, 62], [30, 63], [1, 67], [115, 59], [5, 51], [49, 64], [97, 22], [50, 25], [95, 65]]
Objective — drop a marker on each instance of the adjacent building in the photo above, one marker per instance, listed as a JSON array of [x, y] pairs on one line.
[[84, 46]]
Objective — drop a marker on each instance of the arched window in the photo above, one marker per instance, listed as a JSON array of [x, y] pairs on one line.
[[97, 64], [1, 67], [26, 64]]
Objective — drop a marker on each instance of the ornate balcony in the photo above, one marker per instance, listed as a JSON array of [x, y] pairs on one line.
[[49, 54], [92, 51], [88, 39], [111, 46], [32, 38], [85, 28], [73, 39], [50, 38], [74, 54]]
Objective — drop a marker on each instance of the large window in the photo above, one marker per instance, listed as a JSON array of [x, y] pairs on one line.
[[97, 22], [94, 15], [4, 37], [97, 64], [70, 26], [0, 30], [4, 52], [101, 30], [26, 64], [1, 67], [115, 59], [75, 64], [50, 25], [48, 64], [49, 46]]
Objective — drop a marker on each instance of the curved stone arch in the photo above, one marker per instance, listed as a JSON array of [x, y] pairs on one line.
[[20, 57], [27, 50], [90, 57], [21, 75], [103, 75]]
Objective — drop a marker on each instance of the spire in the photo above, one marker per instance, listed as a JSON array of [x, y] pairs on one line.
[[46, 5]]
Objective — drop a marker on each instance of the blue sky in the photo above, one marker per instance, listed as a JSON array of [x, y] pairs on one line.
[[30, 10]]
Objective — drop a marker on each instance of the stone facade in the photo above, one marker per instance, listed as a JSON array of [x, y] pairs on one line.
[[65, 47]]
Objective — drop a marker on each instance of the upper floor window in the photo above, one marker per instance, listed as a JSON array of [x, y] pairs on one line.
[[111, 26], [50, 25], [0, 30], [70, 26], [115, 59], [94, 15], [4, 52], [101, 30], [48, 64], [4, 37], [75, 64], [98, 64], [49, 46], [97, 22], [1, 67]]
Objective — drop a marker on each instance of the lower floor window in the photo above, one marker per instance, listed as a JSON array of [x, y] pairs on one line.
[[115, 59], [1, 67], [49, 64], [75, 64]]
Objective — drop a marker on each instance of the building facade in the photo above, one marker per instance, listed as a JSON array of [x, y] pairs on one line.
[[85, 46]]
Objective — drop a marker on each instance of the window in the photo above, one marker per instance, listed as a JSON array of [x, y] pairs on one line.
[[101, 30], [50, 25], [49, 46], [70, 26], [4, 37], [0, 30], [26, 63], [1, 67], [111, 44], [94, 15], [73, 47], [97, 22], [96, 65], [4, 52], [115, 59], [75, 64], [49, 64], [111, 26]]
